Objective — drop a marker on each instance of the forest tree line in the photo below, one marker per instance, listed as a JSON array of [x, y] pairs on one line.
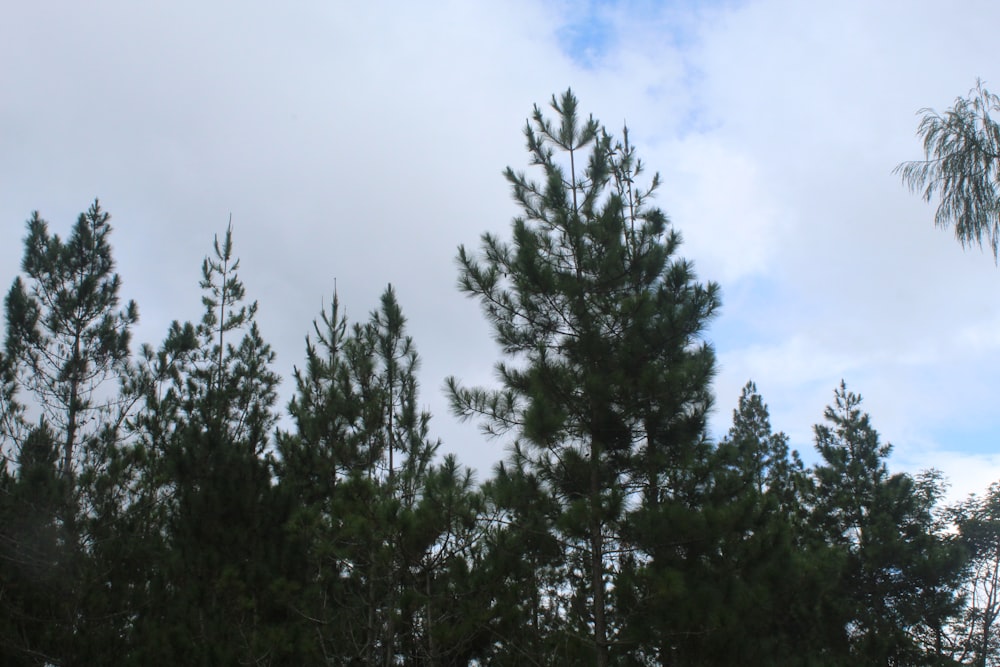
[[152, 511]]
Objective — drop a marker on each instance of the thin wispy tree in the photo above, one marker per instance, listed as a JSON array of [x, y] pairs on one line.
[[961, 165]]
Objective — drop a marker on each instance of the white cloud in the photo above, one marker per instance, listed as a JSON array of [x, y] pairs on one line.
[[965, 473], [719, 201]]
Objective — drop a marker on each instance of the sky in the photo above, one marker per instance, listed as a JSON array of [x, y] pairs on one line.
[[359, 144]]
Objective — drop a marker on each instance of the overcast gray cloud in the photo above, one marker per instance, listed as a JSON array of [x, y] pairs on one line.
[[362, 142]]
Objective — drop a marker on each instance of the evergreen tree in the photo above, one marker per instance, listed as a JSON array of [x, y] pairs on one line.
[[37, 574], [394, 434], [206, 435], [898, 569], [12, 422], [64, 335], [520, 570], [762, 572], [320, 481], [384, 532], [608, 385], [67, 352]]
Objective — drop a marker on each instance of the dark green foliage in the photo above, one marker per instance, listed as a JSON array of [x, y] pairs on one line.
[[205, 434], [898, 568], [67, 355], [520, 566], [384, 532], [64, 336], [152, 513], [36, 578], [608, 385], [759, 575]]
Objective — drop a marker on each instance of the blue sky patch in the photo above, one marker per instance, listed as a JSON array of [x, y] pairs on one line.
[[588, 39]]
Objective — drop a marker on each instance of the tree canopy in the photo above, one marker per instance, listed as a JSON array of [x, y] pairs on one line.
[[157, 505]]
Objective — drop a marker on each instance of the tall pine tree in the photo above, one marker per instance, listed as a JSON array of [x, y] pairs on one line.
[[606, 386], [67, 353], [207, 431]]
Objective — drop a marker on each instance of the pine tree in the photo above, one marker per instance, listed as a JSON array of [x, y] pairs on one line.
[[12, 422], [519, 570], [63, 332], [898, 568], [384, 531], [37, 577], [319, 476], [67, 353], [395, 435], [770, 586], [608, 379], [207, 434]]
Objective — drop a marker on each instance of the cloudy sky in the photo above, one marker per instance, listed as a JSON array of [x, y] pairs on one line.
[[363, 142]]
